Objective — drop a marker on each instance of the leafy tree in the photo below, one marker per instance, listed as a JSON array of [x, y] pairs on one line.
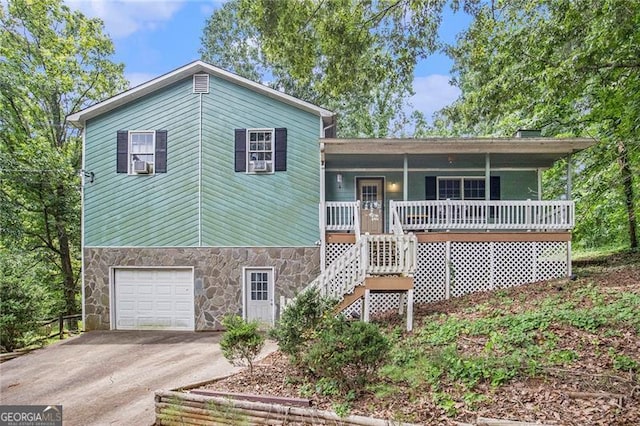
[[23, 301], [54, 62], [570, 68], [354, 57]]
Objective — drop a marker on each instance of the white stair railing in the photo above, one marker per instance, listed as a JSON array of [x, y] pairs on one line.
[[344, 274], [370, 255], [396, 223]]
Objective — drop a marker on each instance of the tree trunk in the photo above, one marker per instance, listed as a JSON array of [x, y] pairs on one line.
[[66, 265], [629, 194]]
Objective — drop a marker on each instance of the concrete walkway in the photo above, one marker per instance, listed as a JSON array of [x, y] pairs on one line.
[[109, 378]]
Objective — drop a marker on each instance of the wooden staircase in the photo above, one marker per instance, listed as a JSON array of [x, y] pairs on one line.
[[381, 284], [374, 264]]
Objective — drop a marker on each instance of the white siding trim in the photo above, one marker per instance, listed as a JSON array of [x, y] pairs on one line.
[[82, 224], [200, 172]]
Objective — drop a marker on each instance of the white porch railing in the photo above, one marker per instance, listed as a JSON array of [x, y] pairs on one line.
[[343, 216], [370, 255], [483, 215]]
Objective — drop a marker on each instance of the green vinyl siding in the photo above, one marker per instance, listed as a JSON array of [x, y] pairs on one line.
[[162, 210], [279, 209], [514, 185], [144, 210]]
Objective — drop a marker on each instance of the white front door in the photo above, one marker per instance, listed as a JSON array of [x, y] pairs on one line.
[[153, 299], [258, 291]]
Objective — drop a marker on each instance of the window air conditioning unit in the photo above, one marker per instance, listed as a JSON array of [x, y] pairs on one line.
[[259, 166], [140, 167]]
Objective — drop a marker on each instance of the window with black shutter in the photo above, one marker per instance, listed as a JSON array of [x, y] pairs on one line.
[[260, 151], [141, 152]]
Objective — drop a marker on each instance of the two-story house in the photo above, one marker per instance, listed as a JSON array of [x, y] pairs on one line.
[[206, 194]]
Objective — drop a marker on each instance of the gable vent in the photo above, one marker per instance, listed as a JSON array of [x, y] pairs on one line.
[[201, 83]]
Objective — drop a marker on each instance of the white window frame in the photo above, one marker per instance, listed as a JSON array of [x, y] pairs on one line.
[[461, 179], [271, 273], [270, 163], [130, 153]]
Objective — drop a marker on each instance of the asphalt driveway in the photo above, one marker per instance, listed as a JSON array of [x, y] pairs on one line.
[[109, 378]]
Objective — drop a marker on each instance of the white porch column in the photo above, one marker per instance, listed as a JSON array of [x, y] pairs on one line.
[[487, 176], [409, 310], [539, 171], [322, 212], [367, 304], [405, 179], [569, 177]]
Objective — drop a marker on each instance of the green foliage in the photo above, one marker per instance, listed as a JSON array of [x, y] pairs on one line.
[[23, 302], [347, 352], [342, 409], [300, 321], [356, 58], [241, 342], [622, 362], [61, 59], [565, 67]]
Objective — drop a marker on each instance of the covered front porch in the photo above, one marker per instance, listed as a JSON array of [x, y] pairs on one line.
[[469, 213], [456, 185]]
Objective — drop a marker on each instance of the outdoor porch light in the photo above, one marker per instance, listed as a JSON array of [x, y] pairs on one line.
[[339, 180]]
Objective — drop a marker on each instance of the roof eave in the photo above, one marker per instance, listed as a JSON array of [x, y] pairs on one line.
[[456, 145], [79, 118]]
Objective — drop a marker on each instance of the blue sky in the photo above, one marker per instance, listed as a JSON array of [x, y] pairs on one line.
[[153, 37]]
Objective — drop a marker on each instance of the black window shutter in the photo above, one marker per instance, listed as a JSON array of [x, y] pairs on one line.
[[494, 193], [281, 150], [241, 150], [430, 188], [123, 152], [160, 165]]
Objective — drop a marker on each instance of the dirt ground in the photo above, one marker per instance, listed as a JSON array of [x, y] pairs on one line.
[[587, 391]]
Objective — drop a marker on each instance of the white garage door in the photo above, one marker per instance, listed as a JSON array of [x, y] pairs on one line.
[[154, 299]]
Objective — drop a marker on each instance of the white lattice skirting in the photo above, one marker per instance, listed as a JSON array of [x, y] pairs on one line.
[[451, 269]]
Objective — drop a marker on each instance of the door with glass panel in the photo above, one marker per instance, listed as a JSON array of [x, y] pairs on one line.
[[259, 295], [371, 196]]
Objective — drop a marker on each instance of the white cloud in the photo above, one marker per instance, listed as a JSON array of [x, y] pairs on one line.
[[125, 17], [433, 92], [137, 78]]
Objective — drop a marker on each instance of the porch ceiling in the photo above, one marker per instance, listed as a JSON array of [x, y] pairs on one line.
[[440, 161], [449, 153]]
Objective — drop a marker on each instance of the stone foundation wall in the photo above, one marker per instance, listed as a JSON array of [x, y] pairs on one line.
[[217, 273]]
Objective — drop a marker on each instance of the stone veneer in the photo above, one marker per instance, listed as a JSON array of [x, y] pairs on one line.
[[217, 274]]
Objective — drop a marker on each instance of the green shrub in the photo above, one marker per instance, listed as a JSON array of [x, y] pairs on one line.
[[348, 353], [299, 321], [241, 342], [23, 302]]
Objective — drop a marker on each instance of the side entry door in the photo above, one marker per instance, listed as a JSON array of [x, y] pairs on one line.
[[259, 295]]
